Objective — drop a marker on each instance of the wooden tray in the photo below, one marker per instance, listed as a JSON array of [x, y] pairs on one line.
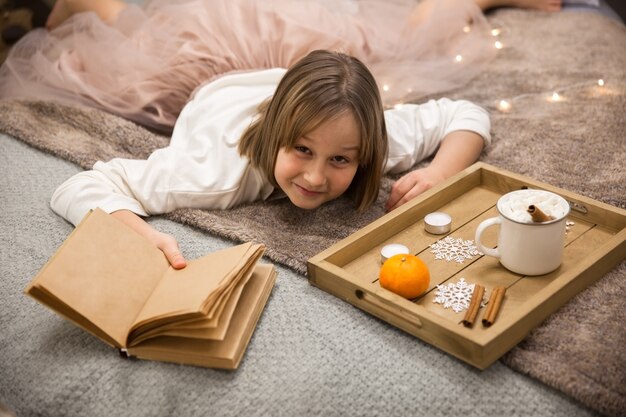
[[349, 269]]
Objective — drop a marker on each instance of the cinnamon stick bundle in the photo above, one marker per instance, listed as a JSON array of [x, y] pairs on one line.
[[472, 310], [537, 215], [493, 306]]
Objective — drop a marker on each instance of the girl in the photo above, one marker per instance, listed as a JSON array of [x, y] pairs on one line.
[[310, 134]]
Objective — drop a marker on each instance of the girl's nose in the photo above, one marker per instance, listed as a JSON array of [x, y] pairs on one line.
[[315, 175]]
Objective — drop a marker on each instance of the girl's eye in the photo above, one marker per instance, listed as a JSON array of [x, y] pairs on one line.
[[340, 159], [302, 149]]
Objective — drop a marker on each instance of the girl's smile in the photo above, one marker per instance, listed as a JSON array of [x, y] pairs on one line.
[[322, 163], [307, 192]]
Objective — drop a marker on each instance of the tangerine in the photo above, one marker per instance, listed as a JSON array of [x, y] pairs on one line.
[[404, 274]]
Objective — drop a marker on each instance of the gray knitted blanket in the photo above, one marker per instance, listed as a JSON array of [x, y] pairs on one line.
[[577, 142]]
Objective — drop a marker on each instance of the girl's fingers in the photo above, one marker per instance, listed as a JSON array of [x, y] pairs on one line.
[[172, 253], [413, 192], [176, 259], [398, 190]]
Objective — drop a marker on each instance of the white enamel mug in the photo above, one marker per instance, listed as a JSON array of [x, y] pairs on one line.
[[526, 247]]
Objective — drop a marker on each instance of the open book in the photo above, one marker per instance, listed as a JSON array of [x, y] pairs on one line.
[[112, 282]]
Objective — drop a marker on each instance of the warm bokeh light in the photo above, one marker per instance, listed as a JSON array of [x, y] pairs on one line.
[[504, 105]]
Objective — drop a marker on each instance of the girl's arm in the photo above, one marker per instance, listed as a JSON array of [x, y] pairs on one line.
[[132, 189], [454, 131], [458, 150], [201, 168]]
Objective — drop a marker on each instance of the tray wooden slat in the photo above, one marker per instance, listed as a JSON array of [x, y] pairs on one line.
[[349, 269]]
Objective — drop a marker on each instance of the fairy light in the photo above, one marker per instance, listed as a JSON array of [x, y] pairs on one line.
[[556, 95], [504, 105]]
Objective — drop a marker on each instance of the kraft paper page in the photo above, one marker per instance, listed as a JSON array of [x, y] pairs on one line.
[[223, 354], [184, 293], [214, 328], [105, 272]]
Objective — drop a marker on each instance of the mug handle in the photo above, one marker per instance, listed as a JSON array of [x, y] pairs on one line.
[[479, 231]]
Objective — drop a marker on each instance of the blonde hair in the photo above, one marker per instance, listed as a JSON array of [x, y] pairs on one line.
[[321, 86]]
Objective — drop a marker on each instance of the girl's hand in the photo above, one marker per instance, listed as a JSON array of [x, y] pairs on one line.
[[458, 150], [166, 243], [413, 184]]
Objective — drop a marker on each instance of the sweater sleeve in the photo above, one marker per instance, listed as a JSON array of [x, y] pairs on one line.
[[201, 168], [416, 131]]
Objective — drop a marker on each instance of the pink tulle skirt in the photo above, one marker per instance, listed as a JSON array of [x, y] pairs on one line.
[[147, 63]]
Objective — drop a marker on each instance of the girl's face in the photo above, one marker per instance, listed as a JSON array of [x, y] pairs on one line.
[[322, 163]]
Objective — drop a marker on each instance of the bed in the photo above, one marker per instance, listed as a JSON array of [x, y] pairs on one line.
[[556, 94]]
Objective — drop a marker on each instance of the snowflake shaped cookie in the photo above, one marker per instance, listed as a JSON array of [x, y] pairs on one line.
[[452, 249], [456, 296]]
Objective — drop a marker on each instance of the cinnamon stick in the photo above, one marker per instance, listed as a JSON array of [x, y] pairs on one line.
[[493, 306], [472, 310], [537, 215]]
